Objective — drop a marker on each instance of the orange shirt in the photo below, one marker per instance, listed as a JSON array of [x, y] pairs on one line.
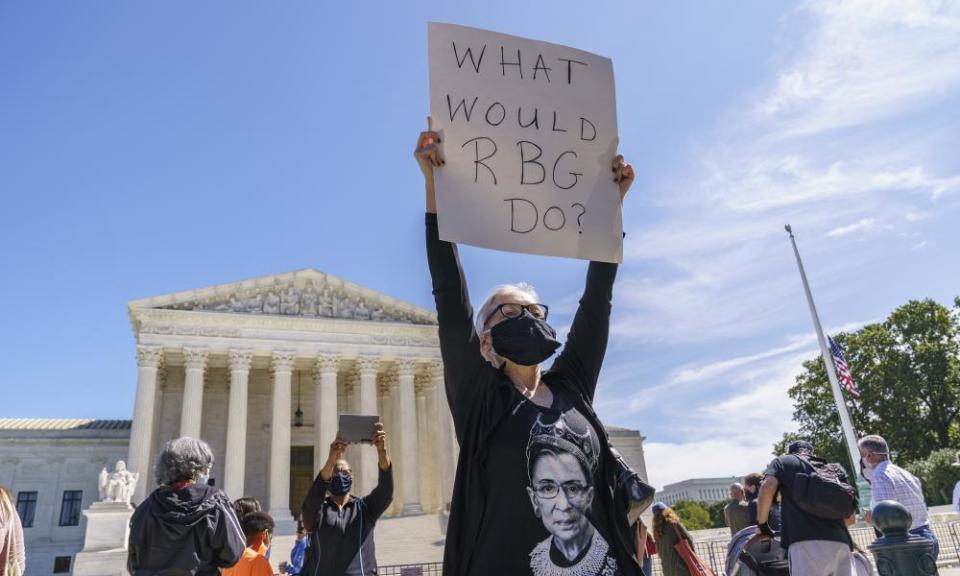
[[252, 563]]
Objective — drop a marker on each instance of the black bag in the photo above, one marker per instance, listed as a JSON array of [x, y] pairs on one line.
[[639, 495], [823, 490]]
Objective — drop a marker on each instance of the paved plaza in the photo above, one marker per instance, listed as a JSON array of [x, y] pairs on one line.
[[400, 540]]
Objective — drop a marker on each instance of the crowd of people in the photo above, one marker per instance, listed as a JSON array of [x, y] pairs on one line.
[[186, 526], [814, 535]]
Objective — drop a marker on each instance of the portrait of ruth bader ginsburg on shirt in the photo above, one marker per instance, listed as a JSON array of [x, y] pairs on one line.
[[561, 465]]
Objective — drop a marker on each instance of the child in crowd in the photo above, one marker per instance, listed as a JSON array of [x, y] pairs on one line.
[[258, 528]]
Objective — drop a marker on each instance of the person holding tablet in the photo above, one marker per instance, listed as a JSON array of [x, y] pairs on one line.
[[340, 524]]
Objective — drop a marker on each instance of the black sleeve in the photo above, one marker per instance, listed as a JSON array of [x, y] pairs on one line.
[[312, 502], [133, 553], [380, 497], [582, 355], [133, 542], [459, 344], [752, 512], [775, 469], [227, 541]]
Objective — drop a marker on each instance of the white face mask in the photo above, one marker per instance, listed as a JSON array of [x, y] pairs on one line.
[[867, 471]]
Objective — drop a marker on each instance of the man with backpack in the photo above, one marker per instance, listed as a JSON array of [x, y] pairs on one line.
[[816, 500]]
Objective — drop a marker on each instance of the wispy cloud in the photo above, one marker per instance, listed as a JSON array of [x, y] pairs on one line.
[[732, 436], [865, 61], [864, 225]]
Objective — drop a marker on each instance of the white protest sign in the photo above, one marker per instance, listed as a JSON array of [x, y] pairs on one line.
[[529, 131]]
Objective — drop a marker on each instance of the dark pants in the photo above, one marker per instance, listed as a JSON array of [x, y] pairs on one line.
[[927, 532]]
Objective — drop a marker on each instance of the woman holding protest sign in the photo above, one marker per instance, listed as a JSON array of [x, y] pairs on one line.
[[534, 488]]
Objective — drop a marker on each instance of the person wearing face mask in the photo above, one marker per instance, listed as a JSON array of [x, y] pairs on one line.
[[499, 394], [340, 525], [258, 529], [891, 482], [184, 526]]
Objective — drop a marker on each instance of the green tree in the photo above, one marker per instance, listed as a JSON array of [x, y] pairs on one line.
[[717, 520], [693, 515], [907, 370], [938, 475]]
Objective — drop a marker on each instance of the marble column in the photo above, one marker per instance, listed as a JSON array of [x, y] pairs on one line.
[[368, 366], [390, 416], [409, 448], [280, 443], [349, 403], [236, 453], [445, 436], [427, 449], [325, 408], [195, 361], [144, 409]]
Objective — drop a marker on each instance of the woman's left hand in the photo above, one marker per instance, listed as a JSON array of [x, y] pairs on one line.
[[622, 174]]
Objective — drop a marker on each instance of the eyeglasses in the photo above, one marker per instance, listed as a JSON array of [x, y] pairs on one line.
[[513, 310], [573, 490]]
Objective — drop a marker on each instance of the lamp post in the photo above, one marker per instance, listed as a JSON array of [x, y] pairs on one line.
[[298, 415]]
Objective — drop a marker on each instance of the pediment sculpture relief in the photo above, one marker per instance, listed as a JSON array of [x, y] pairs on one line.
[[311, 299]]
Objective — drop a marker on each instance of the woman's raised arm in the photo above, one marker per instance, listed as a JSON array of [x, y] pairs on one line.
[[459, 344], [586, 345]]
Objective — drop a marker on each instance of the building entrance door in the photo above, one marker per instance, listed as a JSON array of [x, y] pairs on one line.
[[301, 476]]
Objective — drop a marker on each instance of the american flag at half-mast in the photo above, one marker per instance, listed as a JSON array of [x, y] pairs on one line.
[[843, 370]]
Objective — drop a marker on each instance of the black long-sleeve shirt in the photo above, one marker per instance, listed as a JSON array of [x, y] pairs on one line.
[[496, 523], [341, 539]]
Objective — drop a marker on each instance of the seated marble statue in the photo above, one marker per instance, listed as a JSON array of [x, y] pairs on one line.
[[119, 485]]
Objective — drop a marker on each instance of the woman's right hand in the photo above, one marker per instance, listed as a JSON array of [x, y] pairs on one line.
[[428, 157]]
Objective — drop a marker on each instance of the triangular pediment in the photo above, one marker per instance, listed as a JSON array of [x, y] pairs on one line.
[[305, 293]]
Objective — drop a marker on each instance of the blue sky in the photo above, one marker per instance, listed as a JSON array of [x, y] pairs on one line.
[[152, 148]]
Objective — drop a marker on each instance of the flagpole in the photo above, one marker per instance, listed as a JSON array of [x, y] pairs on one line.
[[845, 423]]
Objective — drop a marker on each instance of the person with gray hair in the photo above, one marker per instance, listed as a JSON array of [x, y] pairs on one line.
[[518, 507], [185, 526], [891, 482]]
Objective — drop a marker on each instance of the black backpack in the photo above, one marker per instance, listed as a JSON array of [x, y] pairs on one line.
[[823, 490]]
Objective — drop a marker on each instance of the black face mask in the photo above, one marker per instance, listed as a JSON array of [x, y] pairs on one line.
[[340, 484], [524, 340]]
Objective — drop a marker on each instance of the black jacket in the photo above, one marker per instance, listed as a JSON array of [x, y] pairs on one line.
[[479, 400], [337, 535], [184, 532]]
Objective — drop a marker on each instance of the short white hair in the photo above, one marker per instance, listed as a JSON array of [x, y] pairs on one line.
[[480, 320]]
